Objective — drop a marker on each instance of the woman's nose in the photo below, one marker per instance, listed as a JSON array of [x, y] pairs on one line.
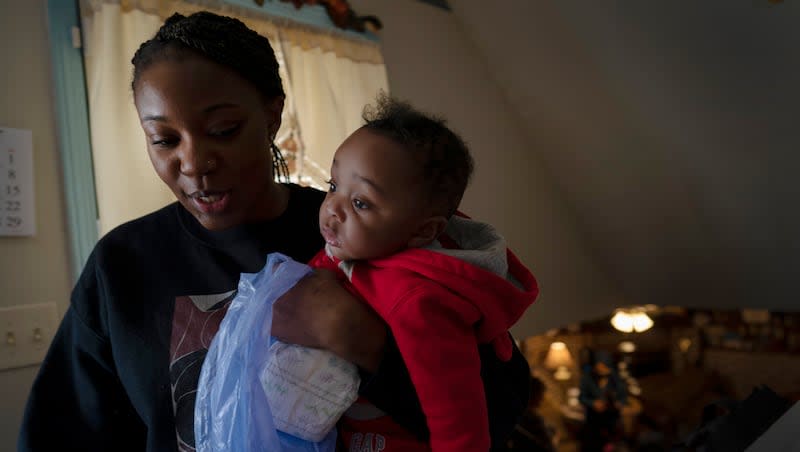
[[195, 160]]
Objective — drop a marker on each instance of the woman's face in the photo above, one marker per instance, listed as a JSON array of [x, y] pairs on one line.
[[208, 133]]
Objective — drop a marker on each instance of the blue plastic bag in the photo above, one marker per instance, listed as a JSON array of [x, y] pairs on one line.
[[231, 409]]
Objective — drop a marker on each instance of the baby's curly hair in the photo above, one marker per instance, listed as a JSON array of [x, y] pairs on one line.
[[446, 164]]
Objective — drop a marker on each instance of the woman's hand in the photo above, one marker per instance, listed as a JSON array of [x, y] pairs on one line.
[[318, 312]]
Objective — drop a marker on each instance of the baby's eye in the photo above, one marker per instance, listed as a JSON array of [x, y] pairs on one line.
[[331, 185], [359, 204]]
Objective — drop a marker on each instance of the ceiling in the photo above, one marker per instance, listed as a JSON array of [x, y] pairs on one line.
[[672, 130]]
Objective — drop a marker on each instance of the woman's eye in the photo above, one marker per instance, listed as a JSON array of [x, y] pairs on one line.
[[331, 186], [226, 132], [359, 204], [163, 142]]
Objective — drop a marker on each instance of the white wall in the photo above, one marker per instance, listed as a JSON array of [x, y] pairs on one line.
[[715, 108], [432, 63], [32, 269], [671, 132]]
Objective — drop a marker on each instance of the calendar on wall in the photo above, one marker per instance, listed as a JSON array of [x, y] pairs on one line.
[[16, 183]]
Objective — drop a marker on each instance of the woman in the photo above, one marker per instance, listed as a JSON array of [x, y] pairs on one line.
[[122, 371]]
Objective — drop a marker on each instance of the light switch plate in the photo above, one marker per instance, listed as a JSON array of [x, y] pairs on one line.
[[25, 333]]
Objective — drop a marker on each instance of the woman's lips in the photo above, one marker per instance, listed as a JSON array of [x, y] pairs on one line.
[[329, 236], [210, 202]]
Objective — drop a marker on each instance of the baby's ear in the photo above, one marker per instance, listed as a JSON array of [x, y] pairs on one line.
[[427, 231]]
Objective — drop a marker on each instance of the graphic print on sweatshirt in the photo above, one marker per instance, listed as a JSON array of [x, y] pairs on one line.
[[195, 321]]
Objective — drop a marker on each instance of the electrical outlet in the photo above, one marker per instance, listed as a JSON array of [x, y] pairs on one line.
[[25, 333]]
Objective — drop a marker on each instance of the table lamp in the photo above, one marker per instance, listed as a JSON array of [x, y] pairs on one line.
[[559, 360]]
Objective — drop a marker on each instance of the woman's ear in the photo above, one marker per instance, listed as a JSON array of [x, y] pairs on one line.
[[273, 109], [428, 231]]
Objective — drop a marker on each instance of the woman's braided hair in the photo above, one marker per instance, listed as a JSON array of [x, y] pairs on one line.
[[225, 41]]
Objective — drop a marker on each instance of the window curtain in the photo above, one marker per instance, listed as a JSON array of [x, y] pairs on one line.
[[328, 79], [329, 93]]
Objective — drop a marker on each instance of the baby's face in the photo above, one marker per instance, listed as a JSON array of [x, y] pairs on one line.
[[374, 203]]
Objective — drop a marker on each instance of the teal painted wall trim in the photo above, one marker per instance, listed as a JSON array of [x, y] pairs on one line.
[[72, 121], [314, 16]]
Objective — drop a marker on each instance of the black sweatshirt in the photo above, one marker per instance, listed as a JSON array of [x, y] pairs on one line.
[[122, 371]]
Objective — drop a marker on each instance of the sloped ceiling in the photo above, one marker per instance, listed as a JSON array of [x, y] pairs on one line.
[[672, 129]]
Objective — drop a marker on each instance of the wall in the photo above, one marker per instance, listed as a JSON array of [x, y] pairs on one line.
[[32, 269], [709, 117], [779, 371], [669, 128], [434, 65]]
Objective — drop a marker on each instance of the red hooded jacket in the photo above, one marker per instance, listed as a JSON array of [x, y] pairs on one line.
[[440, 302]]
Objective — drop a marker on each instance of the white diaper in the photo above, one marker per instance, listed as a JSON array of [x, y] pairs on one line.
[[308, 389]]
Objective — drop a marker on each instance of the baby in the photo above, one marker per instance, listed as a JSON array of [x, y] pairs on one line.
[[443, 283]]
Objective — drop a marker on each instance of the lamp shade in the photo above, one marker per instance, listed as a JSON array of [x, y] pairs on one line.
[[558, 356], [628, 321], [641, 322]]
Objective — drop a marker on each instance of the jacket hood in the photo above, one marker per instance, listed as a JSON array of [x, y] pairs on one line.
[[472, 260]]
